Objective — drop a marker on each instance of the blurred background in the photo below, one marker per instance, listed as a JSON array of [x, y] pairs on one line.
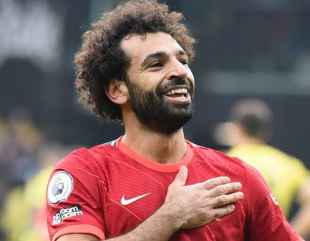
[[254, 48]]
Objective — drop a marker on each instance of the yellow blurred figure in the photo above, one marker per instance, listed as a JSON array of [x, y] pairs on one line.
[[23, 215], [283, 173], [15, 214], [247, 134], [35, 197]]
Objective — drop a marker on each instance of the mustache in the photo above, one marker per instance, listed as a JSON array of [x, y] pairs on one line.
[[176, 82]]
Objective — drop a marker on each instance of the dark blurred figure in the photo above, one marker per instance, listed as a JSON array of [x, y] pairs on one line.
[[247, 133], [22, 146]]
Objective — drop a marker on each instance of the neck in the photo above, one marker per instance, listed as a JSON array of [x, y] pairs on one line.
[[246, 140], [153, 145]]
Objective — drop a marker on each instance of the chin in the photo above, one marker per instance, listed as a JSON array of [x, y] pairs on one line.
[[171, 124]]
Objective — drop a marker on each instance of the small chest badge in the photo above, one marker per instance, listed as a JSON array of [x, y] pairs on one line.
[[59, 187]]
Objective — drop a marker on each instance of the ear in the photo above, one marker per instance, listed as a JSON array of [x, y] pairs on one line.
[[117, 92]]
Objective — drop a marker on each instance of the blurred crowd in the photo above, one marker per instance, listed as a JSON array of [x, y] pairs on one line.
[[26, 158]]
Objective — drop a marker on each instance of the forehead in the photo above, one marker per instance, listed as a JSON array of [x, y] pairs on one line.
[[138, 47]]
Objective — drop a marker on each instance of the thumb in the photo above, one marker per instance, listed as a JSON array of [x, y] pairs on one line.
[[181, 177]]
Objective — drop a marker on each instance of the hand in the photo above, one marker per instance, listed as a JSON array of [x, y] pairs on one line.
[[201, 203]]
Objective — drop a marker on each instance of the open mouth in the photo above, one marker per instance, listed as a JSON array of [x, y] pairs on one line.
[[179, 95]]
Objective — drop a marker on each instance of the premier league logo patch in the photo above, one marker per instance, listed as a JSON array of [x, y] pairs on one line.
[[59, 187]]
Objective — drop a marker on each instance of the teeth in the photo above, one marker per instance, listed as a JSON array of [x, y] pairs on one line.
[[178, 91]]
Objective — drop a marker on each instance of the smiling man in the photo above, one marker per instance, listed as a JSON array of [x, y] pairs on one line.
[[151, 183], [163, 85]]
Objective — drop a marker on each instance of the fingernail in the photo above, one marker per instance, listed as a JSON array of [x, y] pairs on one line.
[[226, 178]]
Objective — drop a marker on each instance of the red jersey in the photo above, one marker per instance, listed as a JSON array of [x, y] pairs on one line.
[[108, 190]]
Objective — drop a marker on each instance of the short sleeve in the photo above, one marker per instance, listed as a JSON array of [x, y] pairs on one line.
[[265, 219], [74, 200]]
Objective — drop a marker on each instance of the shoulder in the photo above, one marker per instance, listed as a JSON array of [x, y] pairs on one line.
[[219, 160], [291, 164], [87, 158], [83, 169], [86, 163], [253, 185], [237, 169]]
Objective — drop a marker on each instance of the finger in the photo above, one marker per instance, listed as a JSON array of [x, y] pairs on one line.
[[222, 211], [181, 177], [224, 200], [210, 183], [213, 182], [224, 189]]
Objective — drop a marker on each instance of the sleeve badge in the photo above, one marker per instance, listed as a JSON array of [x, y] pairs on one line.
[[60, 187]]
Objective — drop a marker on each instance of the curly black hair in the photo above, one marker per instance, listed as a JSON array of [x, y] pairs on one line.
[[101, 58]]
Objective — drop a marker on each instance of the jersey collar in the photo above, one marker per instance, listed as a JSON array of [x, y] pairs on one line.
[[173, 167]]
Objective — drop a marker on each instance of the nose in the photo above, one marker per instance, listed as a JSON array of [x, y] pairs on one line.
[[178, 70]]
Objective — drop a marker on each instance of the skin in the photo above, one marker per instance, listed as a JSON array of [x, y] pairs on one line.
[[185, 206]]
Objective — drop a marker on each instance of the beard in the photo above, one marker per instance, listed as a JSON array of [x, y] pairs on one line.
[[155, 112]]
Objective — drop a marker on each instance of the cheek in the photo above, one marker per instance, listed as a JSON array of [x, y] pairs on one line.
[[191, 76], [149, 81]]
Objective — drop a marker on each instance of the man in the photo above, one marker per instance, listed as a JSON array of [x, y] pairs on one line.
[[248, 132], [152, 184]]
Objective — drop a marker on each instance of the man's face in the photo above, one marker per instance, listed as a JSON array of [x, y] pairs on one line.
[[160, 83]]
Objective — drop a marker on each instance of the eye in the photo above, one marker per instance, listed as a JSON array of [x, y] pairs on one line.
[[155, 66], [184, 61]]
